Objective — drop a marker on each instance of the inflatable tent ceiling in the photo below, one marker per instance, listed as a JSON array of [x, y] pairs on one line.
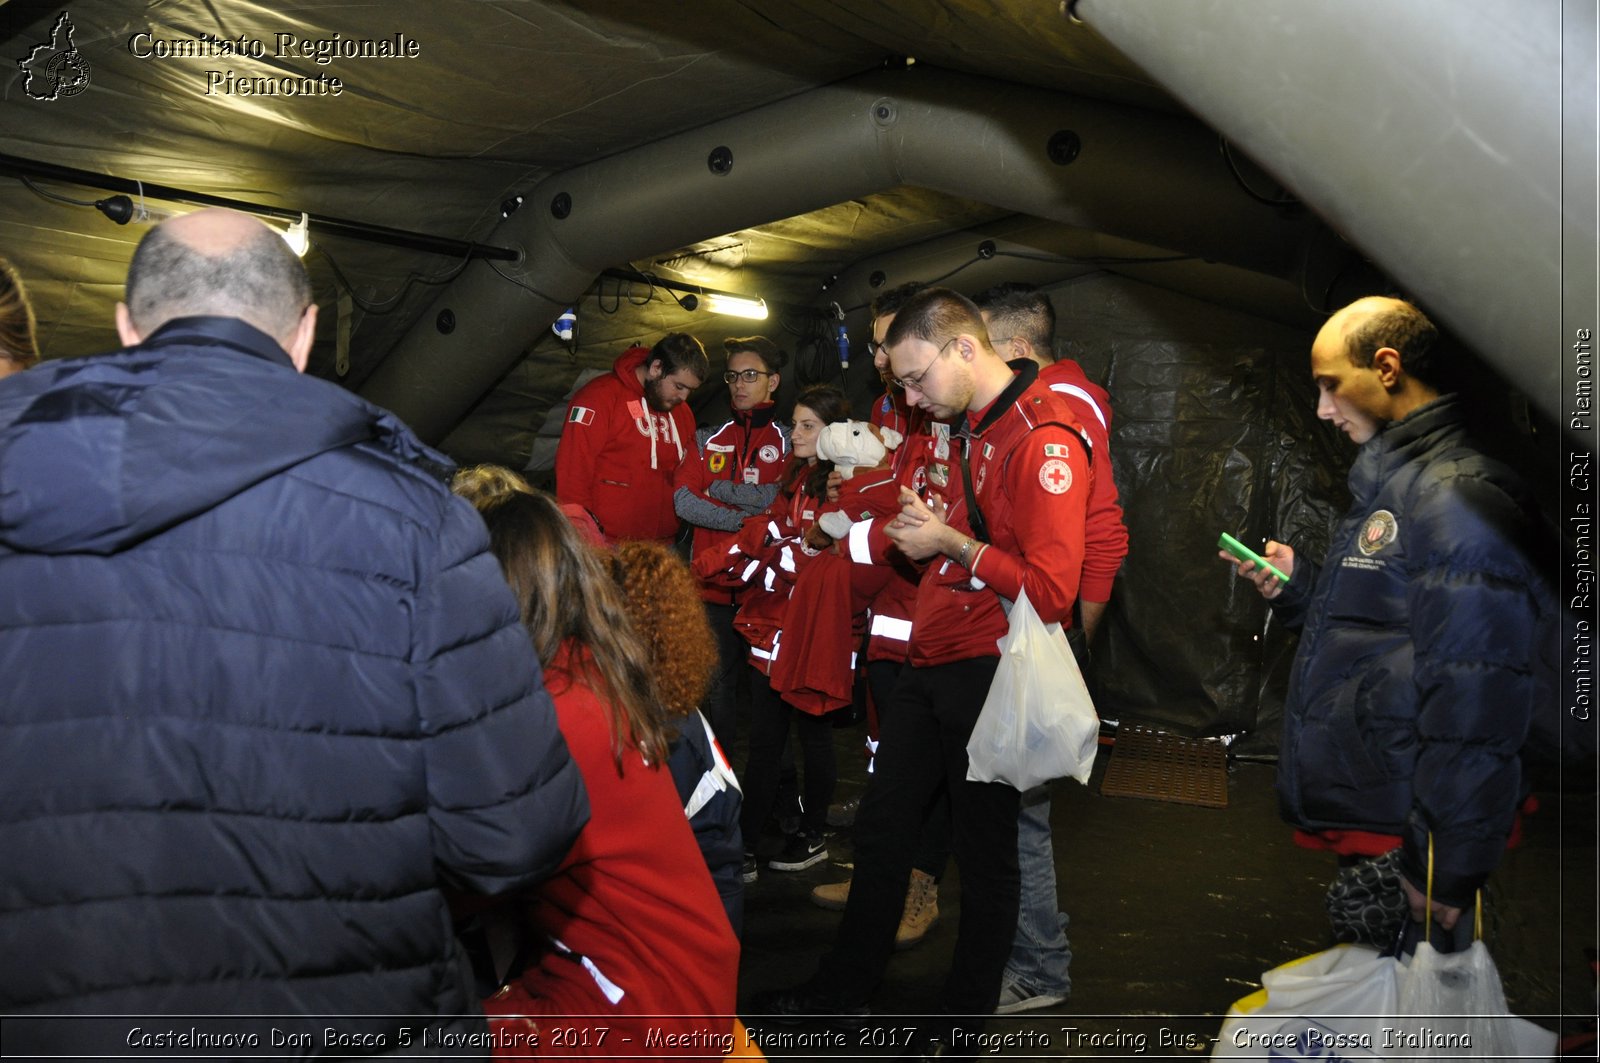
[[1275, 159], [853, 130]]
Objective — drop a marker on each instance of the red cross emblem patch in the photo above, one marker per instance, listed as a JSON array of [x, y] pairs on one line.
[[1055, 476]]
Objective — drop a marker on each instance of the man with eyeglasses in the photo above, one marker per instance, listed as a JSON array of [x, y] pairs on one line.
[[625, 437], [731, 474], [1030, 481], [1022, 324]]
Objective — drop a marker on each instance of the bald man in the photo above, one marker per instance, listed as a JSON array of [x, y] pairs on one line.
[[267, 692], [1426, 641]]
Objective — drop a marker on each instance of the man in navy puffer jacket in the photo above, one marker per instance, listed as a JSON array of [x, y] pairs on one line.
[[266, 690], [1429, 633]]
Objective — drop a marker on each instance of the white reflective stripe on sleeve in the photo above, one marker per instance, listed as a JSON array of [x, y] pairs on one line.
[[717, 779], [891, 627], [786, 558], [860, 544], [757, 651], [708, 787], [749, 570], [1075, 390]]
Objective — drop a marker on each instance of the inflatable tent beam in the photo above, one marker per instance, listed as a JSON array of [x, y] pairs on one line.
[[1137, 174], [1428, 133]]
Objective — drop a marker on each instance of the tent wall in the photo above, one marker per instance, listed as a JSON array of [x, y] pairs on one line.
[[1213, 430]]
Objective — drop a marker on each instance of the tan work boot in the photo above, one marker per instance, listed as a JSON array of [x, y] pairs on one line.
[[833, 896], [921, 911]]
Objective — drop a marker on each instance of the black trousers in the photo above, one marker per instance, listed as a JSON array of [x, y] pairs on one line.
[[933, 844], [924, 748], [770, 718]]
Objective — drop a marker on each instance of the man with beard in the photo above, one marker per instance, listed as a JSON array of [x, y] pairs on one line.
[[625, 435]]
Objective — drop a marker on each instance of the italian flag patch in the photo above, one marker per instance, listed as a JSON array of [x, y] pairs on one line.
[[1055, 450], [580, 415]]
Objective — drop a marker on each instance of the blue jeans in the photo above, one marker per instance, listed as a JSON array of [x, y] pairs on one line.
[[1040, 955], [722, 700]]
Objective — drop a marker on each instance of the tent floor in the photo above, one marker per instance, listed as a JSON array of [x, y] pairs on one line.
[[1175, 912]]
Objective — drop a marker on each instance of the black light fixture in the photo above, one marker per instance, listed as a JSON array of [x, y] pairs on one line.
[[118, 208]]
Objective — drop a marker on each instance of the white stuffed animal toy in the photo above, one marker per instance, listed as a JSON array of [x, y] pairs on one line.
[[852, 445]]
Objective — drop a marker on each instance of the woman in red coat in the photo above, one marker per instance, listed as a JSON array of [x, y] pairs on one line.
[[626, 948], [781, 557]]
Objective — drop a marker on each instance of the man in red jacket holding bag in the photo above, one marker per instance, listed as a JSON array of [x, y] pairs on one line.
[[624, 436], [1022, 324], [1030, 480]]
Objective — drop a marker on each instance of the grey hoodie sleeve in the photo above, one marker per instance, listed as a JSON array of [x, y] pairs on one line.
[[752, 498], [703, 513]]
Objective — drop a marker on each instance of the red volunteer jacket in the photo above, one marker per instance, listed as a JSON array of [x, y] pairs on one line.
[[1031, 475], [802, 607], [633, 929], [1105, 537], [617, 458], [889, 618], [750, 449]]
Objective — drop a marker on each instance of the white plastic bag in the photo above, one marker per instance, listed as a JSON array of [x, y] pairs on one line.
[[1038, 722], [1452, 1004], [1330, 1005]]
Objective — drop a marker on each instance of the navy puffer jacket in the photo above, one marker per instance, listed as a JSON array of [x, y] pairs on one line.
[[1429, 638], [266, 691]]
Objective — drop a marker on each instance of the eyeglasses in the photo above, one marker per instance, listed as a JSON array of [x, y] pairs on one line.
[[747, 375], [875, 348], [915, 384]]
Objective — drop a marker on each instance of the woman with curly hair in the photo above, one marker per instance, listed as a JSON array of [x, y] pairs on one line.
[[627, 928], [663, 599]]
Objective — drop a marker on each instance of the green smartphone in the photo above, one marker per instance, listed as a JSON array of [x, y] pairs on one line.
[[1244, 553]]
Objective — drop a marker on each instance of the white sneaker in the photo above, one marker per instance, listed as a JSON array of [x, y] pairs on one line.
[[1015, 997]]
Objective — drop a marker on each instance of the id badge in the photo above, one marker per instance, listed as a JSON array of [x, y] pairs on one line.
[[752, 476]]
